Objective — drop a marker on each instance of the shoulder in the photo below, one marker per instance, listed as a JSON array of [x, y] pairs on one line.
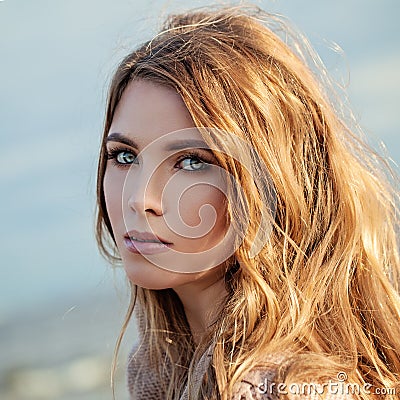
[[255, 385], [262, 383], [141, 376]]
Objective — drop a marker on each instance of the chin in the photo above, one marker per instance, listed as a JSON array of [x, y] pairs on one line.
[[153, 277]]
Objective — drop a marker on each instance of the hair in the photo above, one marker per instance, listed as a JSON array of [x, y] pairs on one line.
[[325, 286]]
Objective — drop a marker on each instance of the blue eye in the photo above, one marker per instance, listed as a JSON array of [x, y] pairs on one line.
[[121, 157], [192, 164], [125, 157]]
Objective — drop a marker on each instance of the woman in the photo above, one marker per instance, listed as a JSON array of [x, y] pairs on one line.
[[257, 231]]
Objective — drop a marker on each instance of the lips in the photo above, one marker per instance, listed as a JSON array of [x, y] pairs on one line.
[[145, 243], [144, 237]]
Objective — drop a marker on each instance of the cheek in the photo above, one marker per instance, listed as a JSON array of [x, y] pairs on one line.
[[203, 206], [195, 205], [113, 185]]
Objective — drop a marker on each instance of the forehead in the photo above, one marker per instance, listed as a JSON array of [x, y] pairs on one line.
[[148, 111]]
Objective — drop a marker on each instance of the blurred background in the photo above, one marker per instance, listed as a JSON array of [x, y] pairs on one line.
[[61, 305]]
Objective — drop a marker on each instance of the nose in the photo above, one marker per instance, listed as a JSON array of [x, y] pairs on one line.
[[144, 194]]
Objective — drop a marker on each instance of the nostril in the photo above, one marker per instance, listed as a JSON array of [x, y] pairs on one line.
[[143, 194], [144, 207]]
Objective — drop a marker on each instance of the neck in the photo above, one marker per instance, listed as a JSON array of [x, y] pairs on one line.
[[201, 300]]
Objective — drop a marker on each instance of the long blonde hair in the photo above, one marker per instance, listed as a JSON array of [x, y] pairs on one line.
[[325, 286]]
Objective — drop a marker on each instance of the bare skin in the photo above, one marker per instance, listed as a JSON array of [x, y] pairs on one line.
[[137, 188]]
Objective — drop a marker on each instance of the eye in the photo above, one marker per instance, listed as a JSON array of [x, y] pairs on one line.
[[125, 157], [192, 164], [121, 156]]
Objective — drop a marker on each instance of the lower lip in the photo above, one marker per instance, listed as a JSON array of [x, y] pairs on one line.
[[145, 247]]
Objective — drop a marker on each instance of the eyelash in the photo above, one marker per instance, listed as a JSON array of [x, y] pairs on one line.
[[113, 153], [193, 156]]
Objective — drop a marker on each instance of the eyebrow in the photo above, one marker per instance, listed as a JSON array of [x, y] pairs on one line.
[[187, 143], [118, 137], [178, 145]]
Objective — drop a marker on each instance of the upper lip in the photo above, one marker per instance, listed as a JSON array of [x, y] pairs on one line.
[[147, 236]]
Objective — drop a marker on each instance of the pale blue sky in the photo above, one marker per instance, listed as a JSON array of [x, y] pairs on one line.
[[56, 59]]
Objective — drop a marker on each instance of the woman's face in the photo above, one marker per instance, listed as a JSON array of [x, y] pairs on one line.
[[165, 193]]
